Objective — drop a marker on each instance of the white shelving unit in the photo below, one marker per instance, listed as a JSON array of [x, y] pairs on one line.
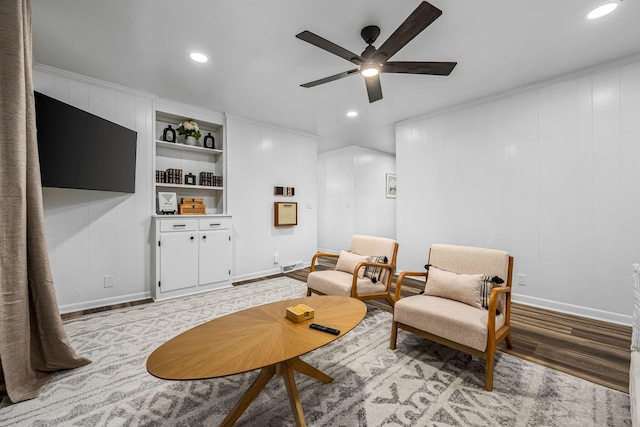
[[191, 159]]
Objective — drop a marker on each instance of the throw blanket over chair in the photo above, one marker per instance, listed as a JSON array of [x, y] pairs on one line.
[[466, 304], [364, 272]]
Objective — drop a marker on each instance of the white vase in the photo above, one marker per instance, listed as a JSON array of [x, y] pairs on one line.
[[191, 140]]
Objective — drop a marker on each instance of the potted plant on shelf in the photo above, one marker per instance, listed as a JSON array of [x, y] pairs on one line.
[[190, 130]]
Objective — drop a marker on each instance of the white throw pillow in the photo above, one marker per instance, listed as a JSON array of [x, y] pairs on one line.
[[472, 289], [347, 262]]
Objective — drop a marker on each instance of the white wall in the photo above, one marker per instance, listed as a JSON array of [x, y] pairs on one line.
[[351, 196], [92, 234], [549, 174], [260, 157]]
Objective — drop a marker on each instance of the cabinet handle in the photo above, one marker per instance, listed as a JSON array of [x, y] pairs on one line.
[[204, 237], [191, 237], [214, 225], [179, 225]]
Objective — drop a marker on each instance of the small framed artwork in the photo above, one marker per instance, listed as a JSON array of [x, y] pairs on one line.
[[390, 187], [285, 214], [167, 203]]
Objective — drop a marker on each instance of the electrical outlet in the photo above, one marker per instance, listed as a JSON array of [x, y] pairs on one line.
[[109, 281], [521, 279], [276, 258]]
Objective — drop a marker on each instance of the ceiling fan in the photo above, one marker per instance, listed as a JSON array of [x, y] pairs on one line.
[[373, 61]]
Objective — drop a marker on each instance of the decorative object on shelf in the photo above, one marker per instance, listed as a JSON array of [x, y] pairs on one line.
[[285, 213], [191, 200], [210, 180], [390, 187], [161, 177], [193, 206], [174, 176], [190, 179], [190, 130], [209, 141], [169, 134], [284, 191], [167, 203]]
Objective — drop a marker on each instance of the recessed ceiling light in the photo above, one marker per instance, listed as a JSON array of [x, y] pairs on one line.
[[199, 57], [352, 113], [602, 10]]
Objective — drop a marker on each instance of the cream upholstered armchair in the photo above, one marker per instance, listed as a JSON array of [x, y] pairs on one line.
[[364, 272], [466, 303]]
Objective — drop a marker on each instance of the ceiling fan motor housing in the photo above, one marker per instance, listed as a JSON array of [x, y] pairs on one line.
[[370, 33]]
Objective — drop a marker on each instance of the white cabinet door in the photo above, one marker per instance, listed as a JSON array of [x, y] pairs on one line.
[[215, 256], [178, 261]]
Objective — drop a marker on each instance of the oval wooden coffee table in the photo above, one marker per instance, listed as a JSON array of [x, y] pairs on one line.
[[258, 337]]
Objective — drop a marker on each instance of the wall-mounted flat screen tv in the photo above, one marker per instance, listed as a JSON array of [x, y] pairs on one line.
[[80, 150]]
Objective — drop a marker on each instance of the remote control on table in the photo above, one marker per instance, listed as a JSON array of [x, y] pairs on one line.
[[324, 329]]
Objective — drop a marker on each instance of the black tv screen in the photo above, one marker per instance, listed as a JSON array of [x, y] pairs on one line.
[[80, 150]]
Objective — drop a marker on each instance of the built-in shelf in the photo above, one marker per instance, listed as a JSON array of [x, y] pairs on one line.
[[188, 187], [206, 164], [190, 148]]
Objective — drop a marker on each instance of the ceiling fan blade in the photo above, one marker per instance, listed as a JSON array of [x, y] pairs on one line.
[[330, 78], [331, 47], [433, 68], [419, 19], [374, 89]]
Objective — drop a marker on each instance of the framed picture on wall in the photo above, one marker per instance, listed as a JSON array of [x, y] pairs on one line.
[[390, 188]]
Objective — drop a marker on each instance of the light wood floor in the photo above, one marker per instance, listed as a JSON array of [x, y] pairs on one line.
[[590, 349]]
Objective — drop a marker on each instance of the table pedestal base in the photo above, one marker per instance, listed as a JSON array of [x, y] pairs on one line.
[[285, 369]]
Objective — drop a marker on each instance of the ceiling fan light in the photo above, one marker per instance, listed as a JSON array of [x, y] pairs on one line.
[[369, 71], [602, 10]]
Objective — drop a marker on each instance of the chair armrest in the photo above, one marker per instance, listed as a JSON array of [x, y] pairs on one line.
[[405, 274], [319, 255], [354, 281], [493, 303], [493, 297], [391, 267]]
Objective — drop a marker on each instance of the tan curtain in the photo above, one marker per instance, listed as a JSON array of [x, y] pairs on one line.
[[33, 342]]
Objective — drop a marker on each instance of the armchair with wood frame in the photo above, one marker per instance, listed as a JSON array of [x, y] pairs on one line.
[[466, 303], [364, 272]]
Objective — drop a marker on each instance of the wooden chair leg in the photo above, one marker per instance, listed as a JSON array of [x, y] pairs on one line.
[[488, 371], [394, 335], [507, 339], [390, 300]]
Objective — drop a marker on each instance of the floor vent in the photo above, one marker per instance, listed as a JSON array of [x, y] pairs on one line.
[[291, 267]]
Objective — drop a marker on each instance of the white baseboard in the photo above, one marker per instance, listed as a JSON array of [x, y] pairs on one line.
[[576, 310], [263, 273], [104, 302]]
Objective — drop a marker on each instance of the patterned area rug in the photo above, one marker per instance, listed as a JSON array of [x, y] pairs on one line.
[[419, 384]]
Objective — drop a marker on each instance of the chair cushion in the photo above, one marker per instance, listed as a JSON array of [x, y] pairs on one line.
[[347, 262], [472, 289], [334, 282], [446, 318]]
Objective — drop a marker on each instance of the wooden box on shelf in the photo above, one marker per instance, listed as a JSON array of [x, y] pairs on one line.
[[191, 206]]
